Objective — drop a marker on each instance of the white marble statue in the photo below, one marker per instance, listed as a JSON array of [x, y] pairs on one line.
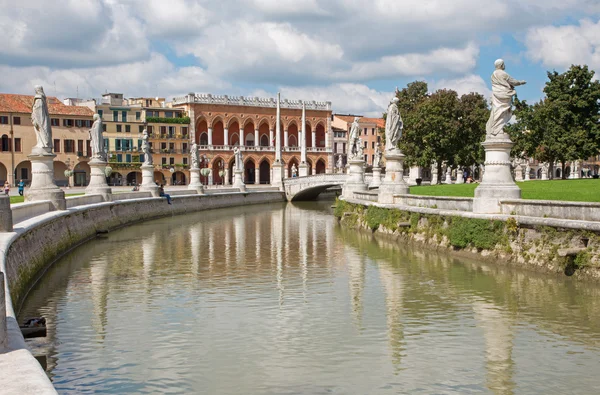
[[40, 117], [148, 161], [238, 157], [377, 159], [503, 90], [294, 170], [340, 162], [97, 142], [393, 126], [354, 138], [527, 172], [194, 157]]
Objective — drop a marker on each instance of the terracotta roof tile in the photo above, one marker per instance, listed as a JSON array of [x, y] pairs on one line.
[[22, 104]]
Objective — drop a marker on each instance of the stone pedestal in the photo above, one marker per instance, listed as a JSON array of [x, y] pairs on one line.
[[356, 179], [497, 183], [6, 222], [148, 183], [238, 176], [393, 183], [42, 182], [303, 169], [376, 177], [98, 185], [527, 174], [519, 173], [448, 179], [226, 175], [195, 183], [460, 176], [277, 175]]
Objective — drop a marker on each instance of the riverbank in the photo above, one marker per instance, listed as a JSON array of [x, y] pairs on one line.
[[542, 244]]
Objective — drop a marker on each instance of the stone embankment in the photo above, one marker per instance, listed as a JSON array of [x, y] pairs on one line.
[[37, 236], [558, 237]]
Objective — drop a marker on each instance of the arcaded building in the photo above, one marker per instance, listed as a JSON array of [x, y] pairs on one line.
[[219, 123]]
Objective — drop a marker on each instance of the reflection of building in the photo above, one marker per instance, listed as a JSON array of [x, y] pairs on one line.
[[220, 122], [70, 125], [369, 135]]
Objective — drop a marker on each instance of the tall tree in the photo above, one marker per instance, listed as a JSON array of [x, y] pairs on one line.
[[473, 115]]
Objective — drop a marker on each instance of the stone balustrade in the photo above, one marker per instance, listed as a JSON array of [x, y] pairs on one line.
[[193, 98]]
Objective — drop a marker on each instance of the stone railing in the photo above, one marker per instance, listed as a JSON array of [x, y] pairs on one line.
[[74, 201], [24, 211], [440, 202], [193, 98], [581, 211], [328, 178]]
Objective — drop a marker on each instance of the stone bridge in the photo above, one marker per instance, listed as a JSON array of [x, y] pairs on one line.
[[309, 187]]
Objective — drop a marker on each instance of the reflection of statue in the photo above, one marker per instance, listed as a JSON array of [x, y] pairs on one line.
[[194, 156], [96, 139], [353, 138], [502, 93], [146, 149], [393, 126], [40, 118], [377, 159], [238, 157], [294, 170]]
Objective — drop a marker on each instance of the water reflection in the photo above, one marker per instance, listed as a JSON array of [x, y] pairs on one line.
[[281, 300]]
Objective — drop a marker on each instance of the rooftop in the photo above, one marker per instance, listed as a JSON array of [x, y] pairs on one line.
[[250, 101], [350, 118], [23, 103]]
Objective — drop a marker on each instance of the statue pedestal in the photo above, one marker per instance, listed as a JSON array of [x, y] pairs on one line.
[[497, 183], [376, 182], [519, 173], [42, 182], [303, 169], [6, 222], [98, 185], [277, 175], [356, 179], [544, 174], [527, 174], [195, 181], [148, 183], [237, 180], [460, 176], [393, 182], [448, 179]]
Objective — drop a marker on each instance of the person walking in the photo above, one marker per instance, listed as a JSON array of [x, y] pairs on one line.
[[6, 187], [21, 187]]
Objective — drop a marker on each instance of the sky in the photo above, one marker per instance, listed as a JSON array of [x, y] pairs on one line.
[[350, 52]]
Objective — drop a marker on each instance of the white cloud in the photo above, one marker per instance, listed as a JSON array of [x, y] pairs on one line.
[[561, 46], [287, 7], [463, 85], [175, 19]]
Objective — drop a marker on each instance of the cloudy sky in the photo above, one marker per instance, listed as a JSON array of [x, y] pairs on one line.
[[350, 52]]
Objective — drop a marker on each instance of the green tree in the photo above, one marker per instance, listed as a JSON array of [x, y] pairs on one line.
[[473, 116]]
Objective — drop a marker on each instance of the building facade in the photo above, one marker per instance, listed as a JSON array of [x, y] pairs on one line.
[[219, 123], [370, 132], [70, 134]]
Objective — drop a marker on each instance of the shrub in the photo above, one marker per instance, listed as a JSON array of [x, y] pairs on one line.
[[480, 233]]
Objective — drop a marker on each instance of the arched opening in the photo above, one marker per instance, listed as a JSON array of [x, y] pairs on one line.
[[291, 163], [249, 134], [292, 135], [265, 172], [249, 172], [134, 178], [264, 140], [218, 133], [320, 135], [203, 139], [5, 143], [234, 139], [308, 137], [59, 174], [263, 132], [23, 171], [178, 178], [310, 167], [81, 174], [320, 168], [3, 174], [201, 127], [115, 179], [218, 171], [557, 172], [230, 166], [234, 133], [159, 178]]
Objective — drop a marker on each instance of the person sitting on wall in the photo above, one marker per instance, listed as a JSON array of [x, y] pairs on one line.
[[161, 193]]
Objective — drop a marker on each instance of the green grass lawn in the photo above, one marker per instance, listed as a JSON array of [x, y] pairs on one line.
[[20, 199], [587, 190]]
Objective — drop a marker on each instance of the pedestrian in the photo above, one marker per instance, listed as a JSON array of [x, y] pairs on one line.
[[21, 187], [6, 187], [161, 193]]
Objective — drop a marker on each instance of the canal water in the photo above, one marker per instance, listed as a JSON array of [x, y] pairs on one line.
[[280, 299]]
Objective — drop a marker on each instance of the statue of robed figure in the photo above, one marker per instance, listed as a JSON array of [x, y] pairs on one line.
[[393, 126], [148, 161], [194, 156], [354, 139], [97, 142], [503, 90], [40, 117]]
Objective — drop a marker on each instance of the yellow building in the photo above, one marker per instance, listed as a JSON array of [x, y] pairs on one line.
[[70, 126]]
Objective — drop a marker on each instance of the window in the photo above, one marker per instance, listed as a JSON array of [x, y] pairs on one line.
[[168, 114], [378, 139], [54, 122], [106, 145], [4, 120], [171, 147], [164, 161], [124, 116], [373, 132], [373, 145], [171, 161], [148, 102], [171, 131], [163, 146], [184, 130], [69, 123], [366, 158], [100, 113], [104, 127], [5, 143], [78, 123], [127, 128], [119, 158], [365, 131], [141, 129], [17, 144], [185, 162], [140, 145], [69, 146], [115, 116], [344, 148], [128, 158], [334, 147], [119, 128], [56, 145], [16, 120], [163, 130], [117, 144], [372, 158], [366, 144], [138, 115], [142, 158], [184, 147], [79, 147], [150, 129]]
